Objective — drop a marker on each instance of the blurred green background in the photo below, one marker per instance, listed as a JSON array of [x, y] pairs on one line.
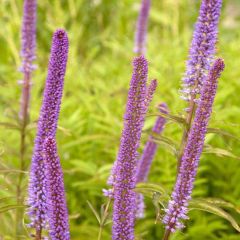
[[99, 69]]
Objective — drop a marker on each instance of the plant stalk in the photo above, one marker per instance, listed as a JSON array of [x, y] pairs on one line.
[[167, 234], [189, 118], [38, 234], [24, 119], [104, 218]]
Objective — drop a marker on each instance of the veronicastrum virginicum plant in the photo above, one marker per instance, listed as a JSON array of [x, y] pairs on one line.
[[196, 82], [178, 206], [47, 203]]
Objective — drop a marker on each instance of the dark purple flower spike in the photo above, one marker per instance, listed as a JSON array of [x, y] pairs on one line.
[[47, 125], [56, 201], [126, 166]]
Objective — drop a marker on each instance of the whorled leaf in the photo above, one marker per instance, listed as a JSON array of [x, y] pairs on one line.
[[219, 152], [150, 189], [103, 217], [9, 125], [168, 116], [167, 142], [203, 205], [94, 212], [211, 205], [5, 199], [221, 203], [10, 207], [222, 132]]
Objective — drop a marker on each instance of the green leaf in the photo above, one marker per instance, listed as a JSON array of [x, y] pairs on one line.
[[74, 216], [149, 189], [220, 203], [169, 143], [170, 117], [219, 152], [222, 133], [156, 200], [212, 208], [10, 207], [6, 199], [9, 125], [85, 167], [95, 212]]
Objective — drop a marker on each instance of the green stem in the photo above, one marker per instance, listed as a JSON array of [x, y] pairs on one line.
[[189, 118], [38, 234], [24, 117], [104, 218], [100, 232], [166, 234]]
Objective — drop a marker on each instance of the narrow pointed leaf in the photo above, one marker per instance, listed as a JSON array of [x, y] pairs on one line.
[[10, 207], [95, 212], [222, 133], [170, 117], [211, 208], [219, 152]]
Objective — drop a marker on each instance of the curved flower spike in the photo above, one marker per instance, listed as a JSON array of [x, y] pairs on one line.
[[177, 208], [47, 125]]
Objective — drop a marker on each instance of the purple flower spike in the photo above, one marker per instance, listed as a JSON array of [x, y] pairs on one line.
[[149, 95], [141, 29], [56, 201], [147, 157], [177, 208], [27, 53], [151, 147], [47, 125], [150, 91], [202, 48], [125, 169]]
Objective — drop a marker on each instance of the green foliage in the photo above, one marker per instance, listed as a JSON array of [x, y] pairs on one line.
[[101, 36]]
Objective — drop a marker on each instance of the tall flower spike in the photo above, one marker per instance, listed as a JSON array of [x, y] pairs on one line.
[[147, 158], [202, 48], [27, 53], [149, 95], [177, 208], [125, 168], [56, 201], [47, 125], [141, 28]]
